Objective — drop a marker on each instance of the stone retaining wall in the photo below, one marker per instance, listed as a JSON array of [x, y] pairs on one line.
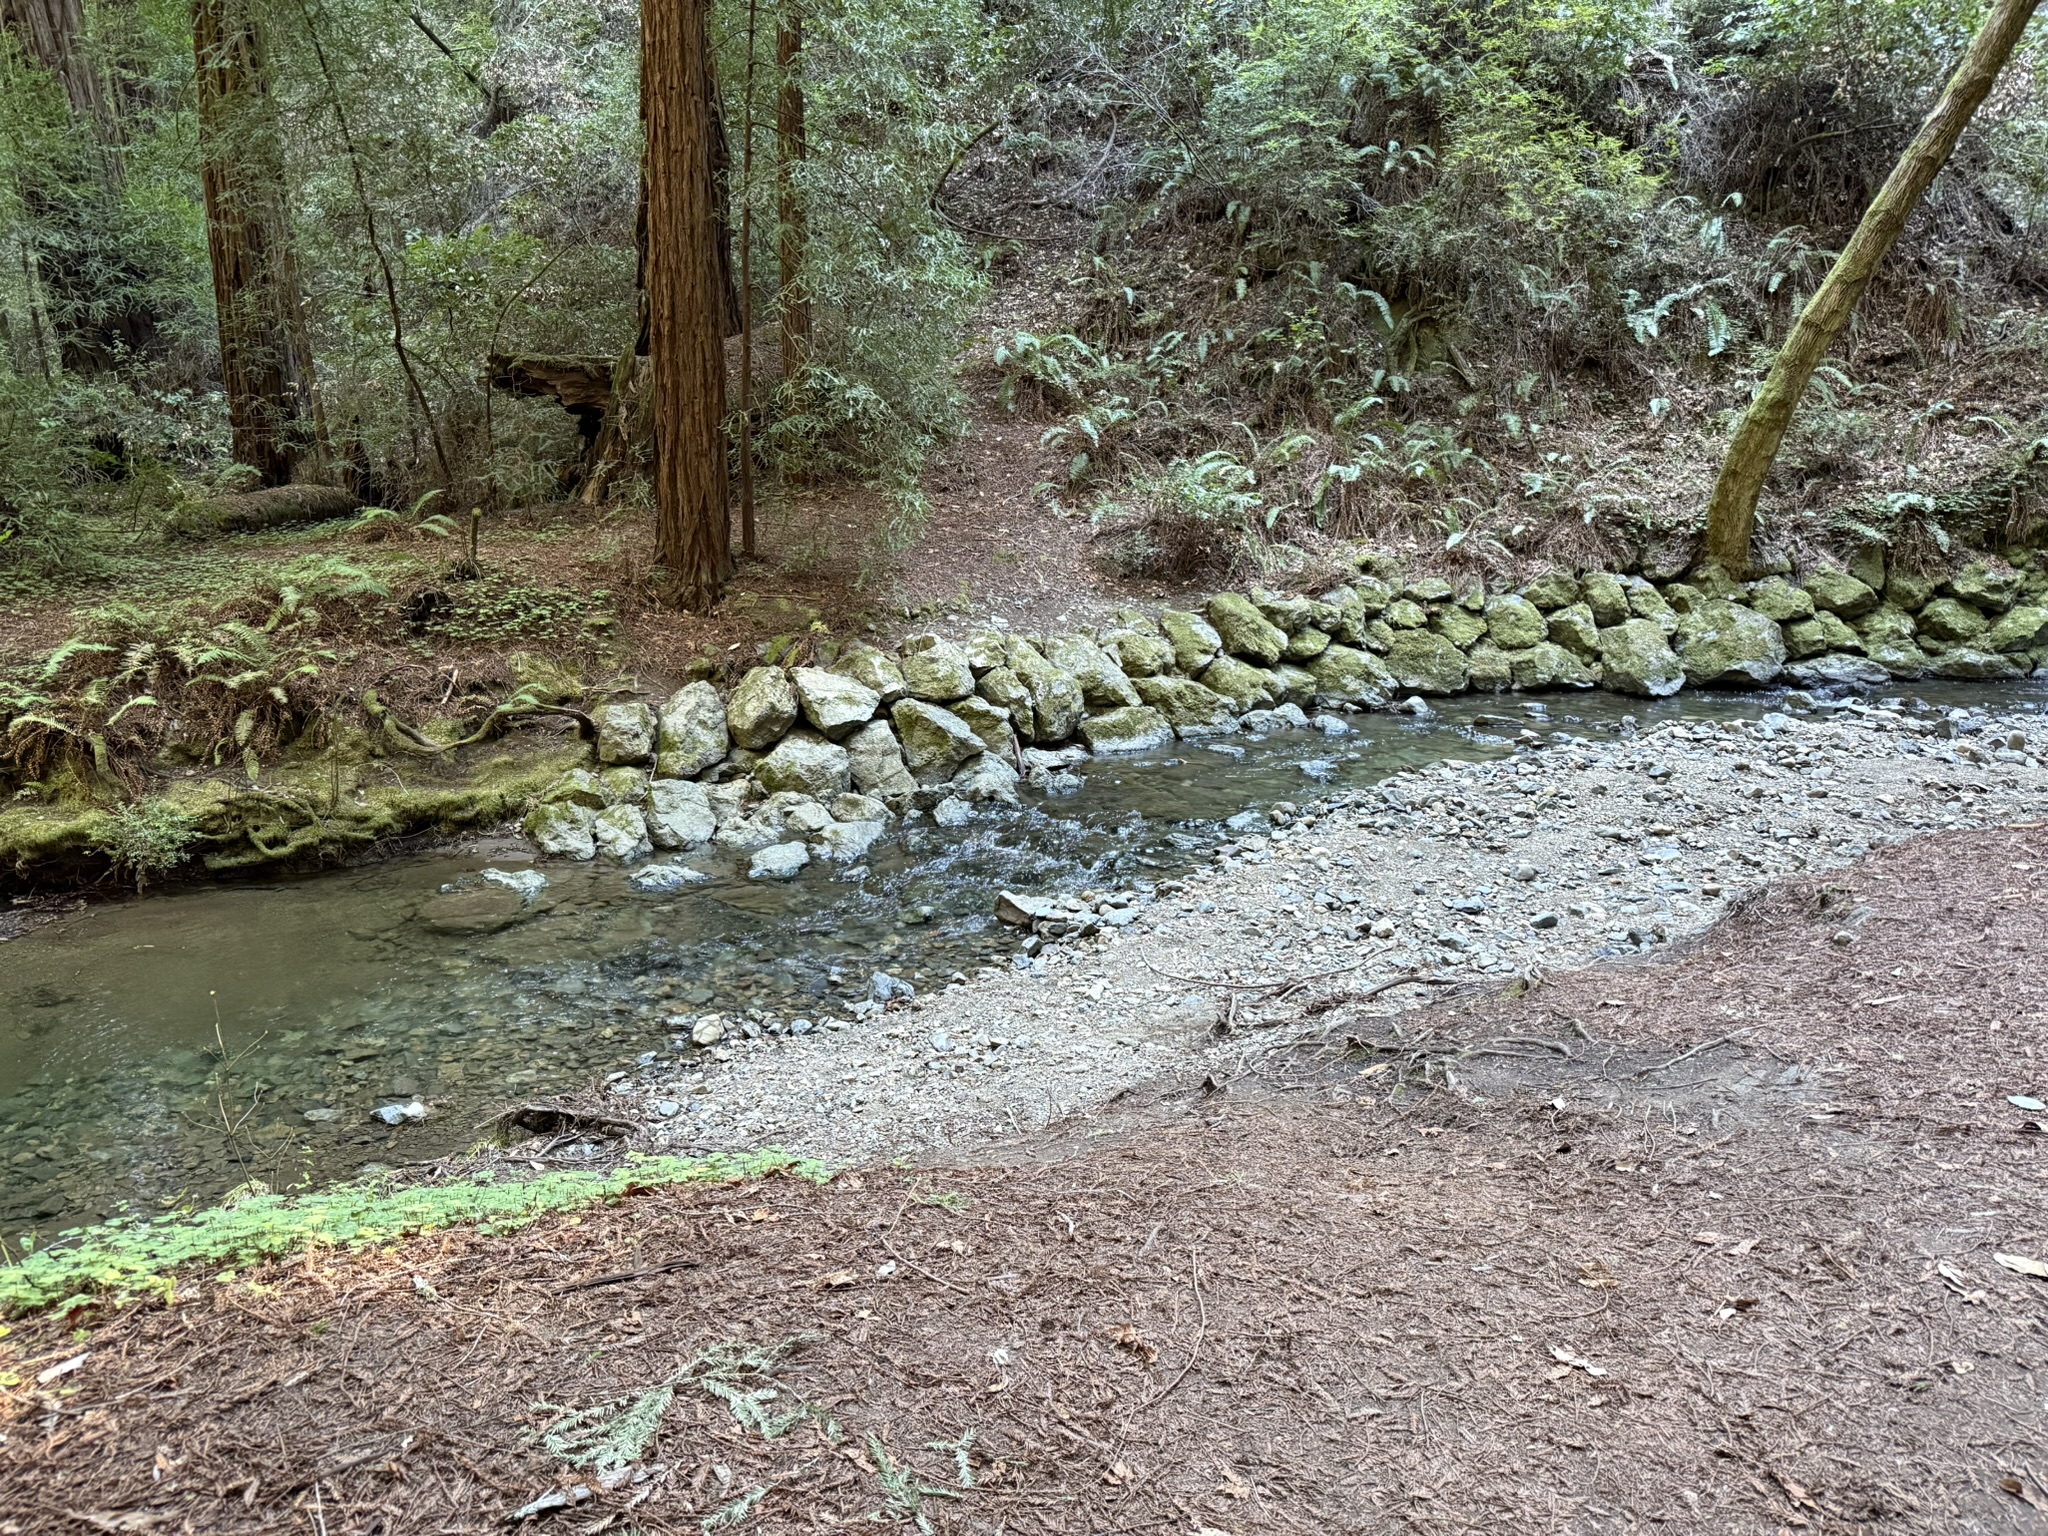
[[811, 762]]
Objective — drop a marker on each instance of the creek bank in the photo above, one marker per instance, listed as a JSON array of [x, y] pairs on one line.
[[813, 762], [1571, 850]]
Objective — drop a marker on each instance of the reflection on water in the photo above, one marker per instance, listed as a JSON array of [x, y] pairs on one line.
[[332, 996]]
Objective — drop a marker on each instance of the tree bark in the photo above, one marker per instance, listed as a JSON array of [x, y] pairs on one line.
[[53, 33], [1731, 515], [747, 290], [685, 300], [264, 365], [793, 229]]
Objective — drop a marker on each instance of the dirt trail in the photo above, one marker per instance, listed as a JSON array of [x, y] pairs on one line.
[[1706, 1243]]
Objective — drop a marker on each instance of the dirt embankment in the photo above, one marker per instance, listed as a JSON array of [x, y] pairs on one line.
[[1703, 1244]]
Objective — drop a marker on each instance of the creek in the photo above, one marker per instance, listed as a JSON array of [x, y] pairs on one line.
[[162, 1050]]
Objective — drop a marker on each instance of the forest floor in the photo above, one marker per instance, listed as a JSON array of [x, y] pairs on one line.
[[1633, 1269]]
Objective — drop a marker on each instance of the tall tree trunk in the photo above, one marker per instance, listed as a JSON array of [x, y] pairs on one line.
[[793, 228], [264, 365], [1731, 515], [747, 290], [53, 34], [685, 300]]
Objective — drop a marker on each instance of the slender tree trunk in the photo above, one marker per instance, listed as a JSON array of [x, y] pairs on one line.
[[793, 230], [686, 300], [747, 293], [1731, 516], [264, 366]]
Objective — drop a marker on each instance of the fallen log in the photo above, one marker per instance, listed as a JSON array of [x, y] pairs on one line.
[[276, 507], [581, 385]]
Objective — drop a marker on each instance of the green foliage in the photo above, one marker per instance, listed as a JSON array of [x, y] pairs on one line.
[[147, 840], [130, 1257]]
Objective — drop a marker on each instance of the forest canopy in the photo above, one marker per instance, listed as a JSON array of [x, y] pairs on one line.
[[1311, 262]]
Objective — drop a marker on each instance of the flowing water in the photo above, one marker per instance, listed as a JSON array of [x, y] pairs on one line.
[[168, 1048]]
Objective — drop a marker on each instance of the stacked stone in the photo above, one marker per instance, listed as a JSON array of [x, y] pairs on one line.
[[812, 762]]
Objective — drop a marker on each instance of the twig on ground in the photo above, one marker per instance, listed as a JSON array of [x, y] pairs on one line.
[[1201, 1333], [1704, 1045]]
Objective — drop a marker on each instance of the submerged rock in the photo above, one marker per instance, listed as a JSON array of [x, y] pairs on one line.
[[778, 861], [529, 883], [986, 778], [666, 879], [1838, 672]]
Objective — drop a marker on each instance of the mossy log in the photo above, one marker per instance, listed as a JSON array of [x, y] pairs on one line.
[[273, 508]]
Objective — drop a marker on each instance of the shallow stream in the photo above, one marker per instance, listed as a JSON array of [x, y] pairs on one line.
[[166, 1049]]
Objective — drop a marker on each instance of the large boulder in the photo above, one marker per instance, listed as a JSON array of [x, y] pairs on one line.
[[834, 704], [620, 832], [1646, 602], [1487, 668], [1344, 675], [1777, 599], [761, 709], [1549, 665], [679, 814], [1606, 597], [1822, 633], [1837, 672], [1885, 624], [1970, 664], [1244, 630], [1838, 592], [693, 734], [1636, 658], [1902, 659], [579, 786], [1462, 627], [625, 733], [1429, 589], [934, 669], [622, 785], [1912, 590], [1306, 643], [562, 829], [986, 648], [875, 759], [1949, 619], [1296, 685], [1246, 687], [1724, 643], [1516, 623], [1573, 627], [1290, 615], [875, 671], [1137, 653], [803, 764], [1136, 728], [795, 814], [1187, 705], [1552, 590], [2020, 629], [988, 722], [1102, 680], [935, 740], [1405, 613], [1056, 701], [1993, 588], [1423, 661], [1005, 690]]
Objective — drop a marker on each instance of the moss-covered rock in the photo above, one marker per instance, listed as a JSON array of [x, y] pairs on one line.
[[1818, 635], [1967, 663], [1056, 701], [1549, 665], [875, 758], [990, 723], [1347, 676], [1574, 628], [1139, 654], [1913, 590], [1460, 626], [679, 814], [1136, 728], [1295, 684], [1985, 586], [1246, 686], [1194, 639], [562, 829], [1307, 643], [1605, 597], [934, 669], [875, 671], [1516, 623], [1244, 630], [1636, 658], [1005, 690], [935, 740], [1102, 680], [620, 832], [1728, 645], [1429, 589], [693, 735], [834, 704], [625, 733], [803, 764], [1838, 592], [1951, 620], [1552, 590], [1186, 704], [1423, 661], [1777, 599], [761, 708], [1405, 613], [2021, 629], [1488, 669], [1646, 602]]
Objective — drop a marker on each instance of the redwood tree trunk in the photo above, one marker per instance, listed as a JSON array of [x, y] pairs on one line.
[[53, 33], [686, 300], [1731, 515], [789, 145], [264, 366]]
